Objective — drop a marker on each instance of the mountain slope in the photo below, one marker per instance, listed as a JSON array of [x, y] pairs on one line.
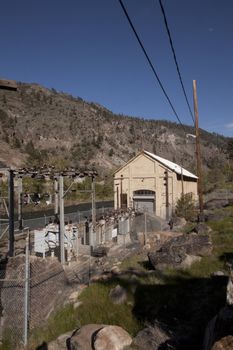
[[39, 125]]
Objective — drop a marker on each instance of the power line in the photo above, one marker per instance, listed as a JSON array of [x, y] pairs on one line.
[[174, 56], [149, 61]]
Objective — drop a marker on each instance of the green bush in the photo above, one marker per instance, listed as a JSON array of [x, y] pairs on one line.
[[185, 207]]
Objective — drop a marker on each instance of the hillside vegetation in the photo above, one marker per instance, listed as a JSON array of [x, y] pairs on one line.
[[39, 125]]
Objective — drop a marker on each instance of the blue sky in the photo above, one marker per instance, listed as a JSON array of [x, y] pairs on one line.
[[86, 48]]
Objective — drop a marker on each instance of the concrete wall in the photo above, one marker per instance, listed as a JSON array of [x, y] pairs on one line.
[[142, 172]]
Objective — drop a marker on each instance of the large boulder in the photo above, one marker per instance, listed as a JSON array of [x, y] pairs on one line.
[[178, 223], [99, 337], [118, 295], [61, 343], [154, 337], [112, 338], [154, 240], [216, 203], [189, 260], [175, 251], [219, 331], [226, 343], [230, 290], [83, 338], [201, 228]]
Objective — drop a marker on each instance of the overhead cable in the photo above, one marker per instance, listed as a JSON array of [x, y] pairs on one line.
[[175, 59], [150, 63]]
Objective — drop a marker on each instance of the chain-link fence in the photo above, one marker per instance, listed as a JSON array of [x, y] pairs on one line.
[[33, 284], [40, 222], [47, 282], [13, 303], [30, 289], [77, 217]]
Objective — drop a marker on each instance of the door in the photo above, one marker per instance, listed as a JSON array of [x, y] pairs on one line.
[[144, 200]]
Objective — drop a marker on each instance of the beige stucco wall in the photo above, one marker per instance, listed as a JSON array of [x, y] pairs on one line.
[[142, 172]]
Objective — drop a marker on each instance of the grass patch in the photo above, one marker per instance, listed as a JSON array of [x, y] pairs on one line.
[[188, 227], [12, 338], [60, 322], [98, 308], [139, 262]]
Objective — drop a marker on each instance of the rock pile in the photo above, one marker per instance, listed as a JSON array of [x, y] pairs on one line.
[[154, 337], [219, 331], [178, 223], [106, 337], [155, 240], [118, 295], [175, 251], [93, 337]]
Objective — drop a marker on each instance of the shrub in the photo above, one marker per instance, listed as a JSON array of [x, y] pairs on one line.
[[185, 207]]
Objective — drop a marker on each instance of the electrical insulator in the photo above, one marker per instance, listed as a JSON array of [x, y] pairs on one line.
[[165, 178]]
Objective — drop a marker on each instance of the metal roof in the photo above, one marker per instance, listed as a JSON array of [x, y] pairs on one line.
[[172, 166]]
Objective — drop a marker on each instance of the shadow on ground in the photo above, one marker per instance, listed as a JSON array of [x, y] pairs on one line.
[[177, 300], [185, 304], [226, 257]]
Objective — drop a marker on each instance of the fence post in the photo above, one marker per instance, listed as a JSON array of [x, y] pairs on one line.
[[45, 220], [91, 237], [26, 291]]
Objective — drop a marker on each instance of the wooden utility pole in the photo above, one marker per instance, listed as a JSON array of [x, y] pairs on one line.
[[93, 214], [167, 194], [55, 196], [121, 192], [62, 220], [117, 194], [198, 151], [11, 212], [93, 206], [20, 202]]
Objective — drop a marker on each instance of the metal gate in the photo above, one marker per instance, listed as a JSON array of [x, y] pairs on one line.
[[144, 200]]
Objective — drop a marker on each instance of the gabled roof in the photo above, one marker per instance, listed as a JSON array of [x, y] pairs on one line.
[[167, 163], [172, 166]]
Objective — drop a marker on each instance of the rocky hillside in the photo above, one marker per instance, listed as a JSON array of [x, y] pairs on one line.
[[39, 125]]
